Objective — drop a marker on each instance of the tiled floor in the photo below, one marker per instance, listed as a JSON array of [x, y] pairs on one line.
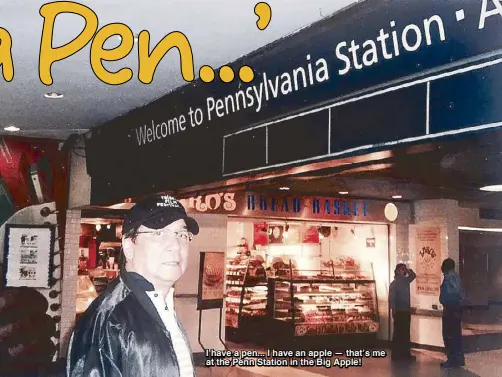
[[481, 328], [483, 364]]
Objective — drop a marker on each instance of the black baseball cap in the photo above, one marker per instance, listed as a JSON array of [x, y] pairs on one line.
[[157, 212]]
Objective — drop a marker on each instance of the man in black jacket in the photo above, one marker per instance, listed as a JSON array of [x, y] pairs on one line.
[[451, 297], [132, 330], [399, 300]]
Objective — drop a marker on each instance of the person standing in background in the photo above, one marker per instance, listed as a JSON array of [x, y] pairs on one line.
[[451, 296], [399, 300], [26, 348]]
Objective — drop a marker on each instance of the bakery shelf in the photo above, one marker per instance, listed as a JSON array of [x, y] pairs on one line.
[[327, 280], [246, 295], [327, 305]]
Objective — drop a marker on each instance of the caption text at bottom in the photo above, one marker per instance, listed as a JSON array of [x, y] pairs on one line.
[[276, 358]]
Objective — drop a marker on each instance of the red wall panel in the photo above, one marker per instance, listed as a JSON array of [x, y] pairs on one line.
[[17, 156]]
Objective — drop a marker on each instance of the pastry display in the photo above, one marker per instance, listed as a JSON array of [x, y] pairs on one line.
[[351, 264], [255, 272], [233, 293], [366, 295], [328, 263], [254, 312], [326, 304], [344, 263], [246, 289]]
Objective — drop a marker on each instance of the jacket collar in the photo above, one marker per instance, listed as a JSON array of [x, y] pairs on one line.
[[141, 282], [138, 285]]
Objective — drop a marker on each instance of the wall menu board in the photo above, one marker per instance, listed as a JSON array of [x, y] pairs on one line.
[[28, 257], [427, 247], [211, 280]]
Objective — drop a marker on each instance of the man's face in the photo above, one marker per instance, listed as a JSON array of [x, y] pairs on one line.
[[159, 255]]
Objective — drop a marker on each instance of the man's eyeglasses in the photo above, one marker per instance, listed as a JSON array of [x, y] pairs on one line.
[[183, 236]]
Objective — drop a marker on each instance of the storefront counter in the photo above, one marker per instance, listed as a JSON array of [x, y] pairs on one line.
[[426, 328], [426, 312]]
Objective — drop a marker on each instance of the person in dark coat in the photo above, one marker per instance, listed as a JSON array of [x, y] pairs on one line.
[[26, 330], [451, 297], [132, 330], [399, 300]]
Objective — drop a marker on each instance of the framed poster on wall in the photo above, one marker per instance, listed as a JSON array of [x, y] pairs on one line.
[[276, 234], [427, 247], [211, 280], [311, 235], [29, 255], [260, 234]]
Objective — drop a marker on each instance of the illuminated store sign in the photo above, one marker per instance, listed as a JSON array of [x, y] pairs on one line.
[[284, 206]]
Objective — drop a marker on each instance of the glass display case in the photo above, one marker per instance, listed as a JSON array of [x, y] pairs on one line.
[[246, 296], [339, 299]]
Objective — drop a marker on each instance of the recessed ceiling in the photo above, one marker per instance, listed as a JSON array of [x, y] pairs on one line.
[[100, 221], [444, 170], [448, 170], [219, 31]]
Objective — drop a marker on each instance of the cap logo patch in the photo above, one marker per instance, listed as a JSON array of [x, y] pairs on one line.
[[168, 201]]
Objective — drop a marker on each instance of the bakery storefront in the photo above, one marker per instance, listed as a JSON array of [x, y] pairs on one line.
[[327, 267], [305, 268]]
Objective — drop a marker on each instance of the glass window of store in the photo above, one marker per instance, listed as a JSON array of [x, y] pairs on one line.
[[312, 278], [99, 250]]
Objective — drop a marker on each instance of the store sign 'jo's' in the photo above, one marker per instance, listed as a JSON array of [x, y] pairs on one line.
[[220, 202]]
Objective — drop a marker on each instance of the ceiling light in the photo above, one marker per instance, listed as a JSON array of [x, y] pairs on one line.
[[284, 188], [391, 212], [53, 95], [397, 197], [343, 192], [11, 129], [492, 188], [495, 230]]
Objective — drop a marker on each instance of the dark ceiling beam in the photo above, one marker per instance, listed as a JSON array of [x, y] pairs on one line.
[[105, 213]]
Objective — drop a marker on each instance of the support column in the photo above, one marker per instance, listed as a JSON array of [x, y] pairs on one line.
[[444, 213], [426, 328], [69, 287], [79, 194]]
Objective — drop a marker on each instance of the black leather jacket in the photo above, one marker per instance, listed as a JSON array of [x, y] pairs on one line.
[[122, 335]]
